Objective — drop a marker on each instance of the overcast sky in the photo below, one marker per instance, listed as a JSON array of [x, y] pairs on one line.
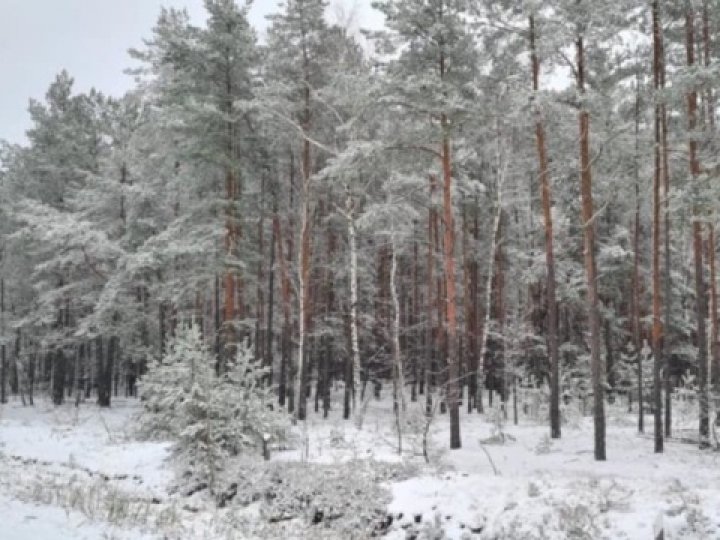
[[90, 39]]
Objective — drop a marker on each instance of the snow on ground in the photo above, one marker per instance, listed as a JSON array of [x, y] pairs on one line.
[[89, 437], [50, 454], [25, 521], [520, 488], [525, 487]]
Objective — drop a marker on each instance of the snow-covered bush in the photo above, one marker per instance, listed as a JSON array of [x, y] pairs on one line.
[[418, 432], [297, 500], [496, 416], [685, 514], [211, 417]]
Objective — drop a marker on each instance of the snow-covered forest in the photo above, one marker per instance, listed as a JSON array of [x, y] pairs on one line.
[[450, 279]]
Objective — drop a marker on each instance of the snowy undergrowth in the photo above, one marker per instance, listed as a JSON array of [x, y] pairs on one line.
[[530, 487], [334, 481]]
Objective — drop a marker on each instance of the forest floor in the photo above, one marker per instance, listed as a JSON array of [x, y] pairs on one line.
[[78, 473]]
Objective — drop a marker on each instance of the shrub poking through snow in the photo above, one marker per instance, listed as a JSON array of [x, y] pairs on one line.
[[210, 417], [296, 500]]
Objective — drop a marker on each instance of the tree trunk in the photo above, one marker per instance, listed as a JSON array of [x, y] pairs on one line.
[[414, 318], [304, 310], [713, 305], [399, 405], [259, 292], [552, 315], [707, 47], [217, 320], [657, 344], [285, 357], [20, 369], [636, 318], [470, 303], [3, 359], [714, 375], [101, 378], [667, 269], [695, 169], [453, 384], [58, 379], [429, 355], [269, 357], [499, 356], [354, 339], [229, 306], [588, 221]]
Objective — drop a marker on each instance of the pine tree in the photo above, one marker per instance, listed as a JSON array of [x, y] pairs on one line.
[[436, 61]]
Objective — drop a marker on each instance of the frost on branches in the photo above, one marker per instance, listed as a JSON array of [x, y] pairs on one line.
[[211, 417]]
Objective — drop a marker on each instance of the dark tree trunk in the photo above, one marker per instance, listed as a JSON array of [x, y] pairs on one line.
[[3, 359], [348, 369], [162, 318], [31, 378], [58, 379], [103, 371]]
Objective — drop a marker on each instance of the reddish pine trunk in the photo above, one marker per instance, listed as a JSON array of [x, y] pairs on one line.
[[552, 315], [707, 46], [453, 385], [588, 220]]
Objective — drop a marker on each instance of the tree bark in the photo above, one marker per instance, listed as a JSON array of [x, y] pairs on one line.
[[552, 315], [304, 310], [431, 342], [636, 318], [713, 305], [269, 357], [657, 344], [707, 47], [667, 287], [399, 405], [58, 380], [471, 305], [453, 384], [354, 339], [229, 306], [588, 221], [285, 358], [695, 169], [3, 359], [102, 377]]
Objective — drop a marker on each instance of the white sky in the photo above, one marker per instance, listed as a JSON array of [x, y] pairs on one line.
[[90, 39]]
